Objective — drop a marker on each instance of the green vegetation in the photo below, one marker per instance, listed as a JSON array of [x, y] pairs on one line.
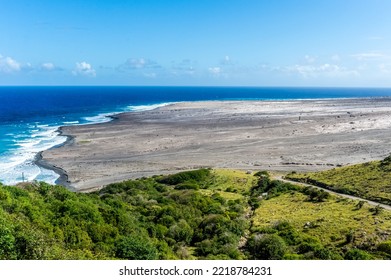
[[200, 214], [323, 230], [371, 180]]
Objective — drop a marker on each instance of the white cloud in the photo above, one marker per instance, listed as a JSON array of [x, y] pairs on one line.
[[310, 59], [215, 70], [150, 75], [336, 58], [138, 64], [385, 68], [370, 56], [184, 67], [141, 67], [227, 61], [84, 69], [8, 65], [323, 70], [48, 66], [228, 68]]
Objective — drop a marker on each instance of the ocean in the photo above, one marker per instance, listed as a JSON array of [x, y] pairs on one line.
[[31, 116]]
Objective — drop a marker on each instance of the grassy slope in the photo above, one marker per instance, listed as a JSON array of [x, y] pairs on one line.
[[332, 221], [199, 215], [370, 180], [230, 184]]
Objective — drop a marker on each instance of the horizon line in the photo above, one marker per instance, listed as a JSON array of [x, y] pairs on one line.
[[201, 86]]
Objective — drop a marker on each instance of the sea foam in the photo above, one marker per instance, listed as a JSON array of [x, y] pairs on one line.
[[18, 163], [140, 108]]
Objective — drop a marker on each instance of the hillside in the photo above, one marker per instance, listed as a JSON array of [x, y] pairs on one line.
[[371, 180], [201, 214]]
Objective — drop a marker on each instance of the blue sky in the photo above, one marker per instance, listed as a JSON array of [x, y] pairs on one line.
[[196, 42]]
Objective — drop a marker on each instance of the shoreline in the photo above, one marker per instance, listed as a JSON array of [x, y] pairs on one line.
[[129, 145], [63, 179]]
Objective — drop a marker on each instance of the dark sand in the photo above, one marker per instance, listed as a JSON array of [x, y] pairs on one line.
[[301, 135]]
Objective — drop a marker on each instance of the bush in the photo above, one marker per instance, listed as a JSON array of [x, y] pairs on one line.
[[309, 244], [212, 225], [376, 210], [135, 247], [187, 186], [323, 195], [262, 184], [360, 204], [44, 188], [273, 188], [31, 244], [349, 237], [4, 195], [357, 254], [288, 232], [385, 162], [307, 247], [182, 177], [7, 243], [261, 173], [181, 232], [323, 254], [254, 202], [266, 247], [206, 247], [292, 257], [385, 247], [316, 195]]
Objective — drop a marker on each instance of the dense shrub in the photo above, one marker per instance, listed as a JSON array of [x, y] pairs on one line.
[[386, 162], [135, 247], [266, 247], [261, 173], [147, 219], [181, 232], [357, 254], [186, 176], [288, 232], [7, 242], [316, 194], [385, 247], [187, 186]]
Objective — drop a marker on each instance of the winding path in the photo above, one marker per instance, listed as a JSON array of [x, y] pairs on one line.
[[370, 202]]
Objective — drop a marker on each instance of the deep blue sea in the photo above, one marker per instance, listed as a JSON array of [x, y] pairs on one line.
[[30, 116]]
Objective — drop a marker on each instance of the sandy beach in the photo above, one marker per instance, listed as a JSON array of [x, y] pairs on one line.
[[301, 135]]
